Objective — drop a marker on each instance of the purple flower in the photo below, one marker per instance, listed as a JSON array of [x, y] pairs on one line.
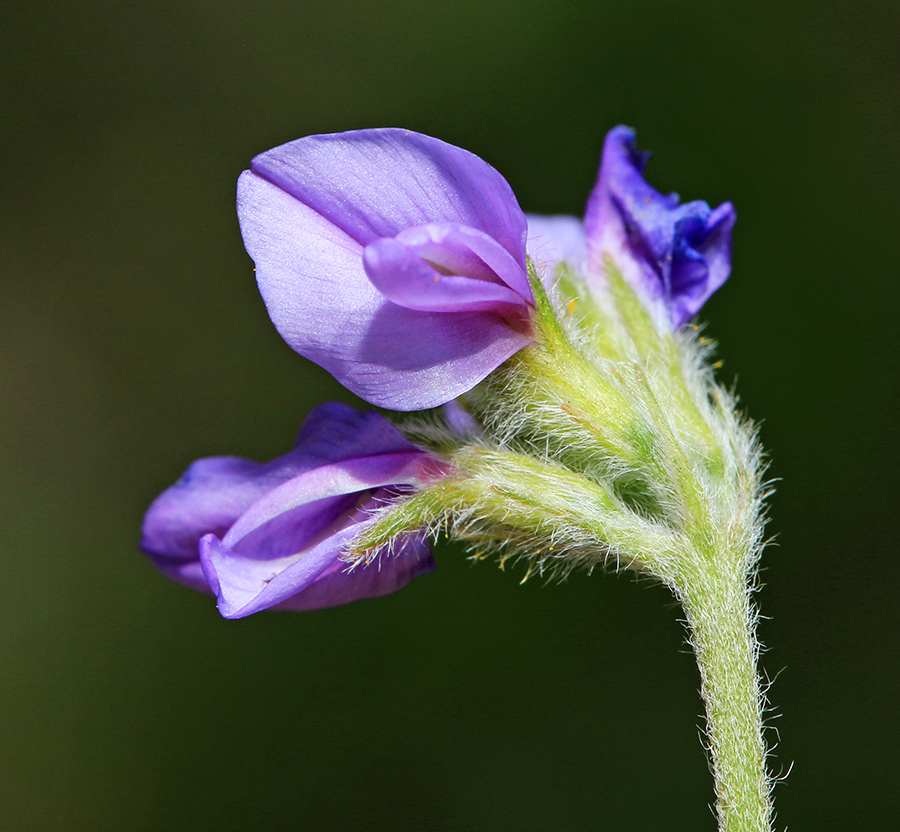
[[393, 260], [674, 256], [260, 535]]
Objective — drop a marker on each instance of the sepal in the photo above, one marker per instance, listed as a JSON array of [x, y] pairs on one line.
[[516, 506]]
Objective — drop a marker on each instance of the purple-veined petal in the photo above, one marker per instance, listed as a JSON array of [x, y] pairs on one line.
[[311, 277], [556, 239], [409, 558], [333, 432], [675, 256], [340, 458], [273, 534], [245, 585], [209, 497]]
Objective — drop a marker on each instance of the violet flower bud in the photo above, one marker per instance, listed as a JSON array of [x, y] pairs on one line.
[[393, 260], [260, 535], [673, 256]]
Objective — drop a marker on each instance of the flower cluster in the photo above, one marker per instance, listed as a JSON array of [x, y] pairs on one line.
[[406, 268]]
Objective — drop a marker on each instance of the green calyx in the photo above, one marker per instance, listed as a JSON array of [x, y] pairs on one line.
[[607, 440]]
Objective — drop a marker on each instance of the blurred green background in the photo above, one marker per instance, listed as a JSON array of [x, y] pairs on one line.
[[132, 340]]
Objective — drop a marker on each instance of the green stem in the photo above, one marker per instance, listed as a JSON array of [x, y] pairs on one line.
[[722, 624]]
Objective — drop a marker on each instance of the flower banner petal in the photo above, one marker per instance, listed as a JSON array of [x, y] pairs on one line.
[[311, 276], [376, 183]]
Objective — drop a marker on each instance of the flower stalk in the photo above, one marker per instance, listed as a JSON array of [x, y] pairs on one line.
[[722, 624]]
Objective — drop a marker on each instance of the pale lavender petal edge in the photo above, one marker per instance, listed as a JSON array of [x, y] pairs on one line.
[[556, 239]]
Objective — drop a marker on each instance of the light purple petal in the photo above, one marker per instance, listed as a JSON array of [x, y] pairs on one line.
[[285, 540], [406, 279], [462, 423], [311, 276], [246, 585], [376, 183], [213, 492], [552, 240], [333, 432], [675, 256], [209, 497], [317, 579], [348, 477], [256, 535], [459, 249], [409, 558]]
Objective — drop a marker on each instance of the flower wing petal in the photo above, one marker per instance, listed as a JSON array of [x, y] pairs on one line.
[[214, 492], [339, 584], [287, 539], [406, 279], [331, 481], [462, 250], [246, 585], [209, 497], [319, 579]]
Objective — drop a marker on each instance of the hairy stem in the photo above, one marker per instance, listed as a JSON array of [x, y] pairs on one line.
[[722, 625]]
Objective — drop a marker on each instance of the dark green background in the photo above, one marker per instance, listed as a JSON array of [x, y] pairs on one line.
[[132, 340]]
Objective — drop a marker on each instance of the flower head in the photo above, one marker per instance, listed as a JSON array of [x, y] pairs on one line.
[[393, 260], [674, 256], [260, 535]]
